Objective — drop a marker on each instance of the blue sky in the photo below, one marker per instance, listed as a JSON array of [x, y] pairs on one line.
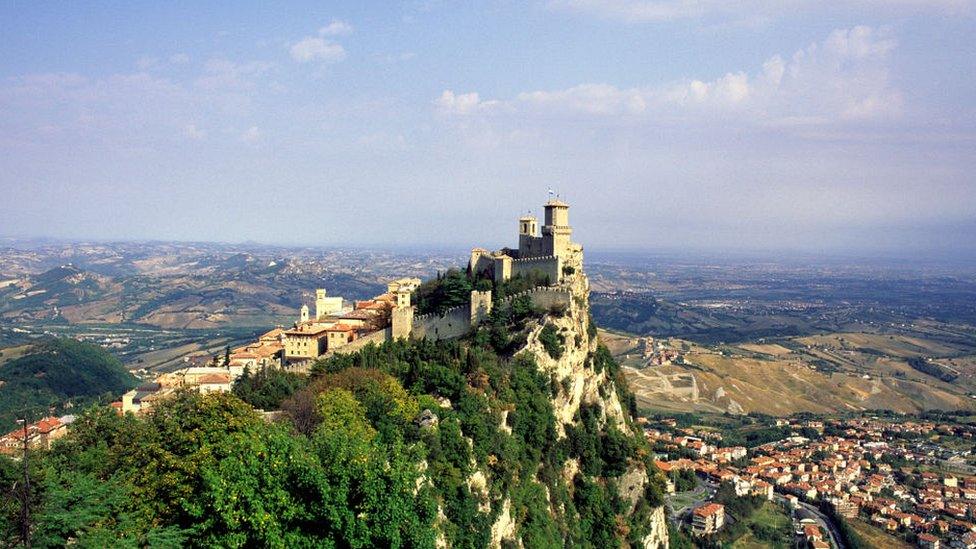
[[815, 125]]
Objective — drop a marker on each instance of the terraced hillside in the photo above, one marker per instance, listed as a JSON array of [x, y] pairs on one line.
[[833, 373]]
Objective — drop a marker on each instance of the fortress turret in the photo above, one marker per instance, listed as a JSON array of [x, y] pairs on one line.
[[530, 243], [528, 225], [557, 235]]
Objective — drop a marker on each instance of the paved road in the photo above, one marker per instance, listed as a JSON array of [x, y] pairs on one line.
[[822, 520], [702, 493], [705, 490]]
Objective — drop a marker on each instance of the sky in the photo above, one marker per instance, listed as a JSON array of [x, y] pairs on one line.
[[823, 126]]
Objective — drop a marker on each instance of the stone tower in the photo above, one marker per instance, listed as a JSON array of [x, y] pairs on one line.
[[557, 235], [528, 225], [320, 303], [530, 243], [324, 305], [402, 297], [480, 306], [303, 315]]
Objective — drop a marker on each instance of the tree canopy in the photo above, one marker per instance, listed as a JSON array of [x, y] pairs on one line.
[[349, 464]]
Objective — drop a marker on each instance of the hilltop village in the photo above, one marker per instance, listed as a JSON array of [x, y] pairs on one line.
[[338, 326]]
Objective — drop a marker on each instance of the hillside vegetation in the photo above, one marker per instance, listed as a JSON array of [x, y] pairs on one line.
[[469, 443], [58, 373]]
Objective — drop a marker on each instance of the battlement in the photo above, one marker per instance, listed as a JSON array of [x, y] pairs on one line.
[[544, 297], [537, 259], [448, 312]]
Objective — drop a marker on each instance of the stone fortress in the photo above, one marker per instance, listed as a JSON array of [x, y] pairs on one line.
[[553, 254], [551, 257]]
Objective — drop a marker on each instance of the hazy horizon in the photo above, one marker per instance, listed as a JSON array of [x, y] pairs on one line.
[[818, 127], [897, 259]]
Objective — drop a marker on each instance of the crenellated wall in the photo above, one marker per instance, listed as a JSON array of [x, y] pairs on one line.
[[376, 337], [549, 266], [457, 322], [546, 297], [453, 323]]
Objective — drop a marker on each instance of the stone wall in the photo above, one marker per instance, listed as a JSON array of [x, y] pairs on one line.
[[546, 297], [376, 338], [453, 323], [548, 266]]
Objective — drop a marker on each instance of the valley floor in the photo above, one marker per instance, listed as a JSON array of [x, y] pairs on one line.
[[830, 373]]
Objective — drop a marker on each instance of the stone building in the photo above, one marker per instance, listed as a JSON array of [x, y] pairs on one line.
[[552, 253], [325, 305]]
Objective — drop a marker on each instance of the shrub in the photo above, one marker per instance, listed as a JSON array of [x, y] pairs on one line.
[[268, 387], [552, 341]]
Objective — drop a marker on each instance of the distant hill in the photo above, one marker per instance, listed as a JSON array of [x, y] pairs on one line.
[[638, 313], [59, 373], [175, 286], [831, 373]]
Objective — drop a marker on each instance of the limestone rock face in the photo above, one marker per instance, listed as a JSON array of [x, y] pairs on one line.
[[580, 384], [658, 537], [504, 527]]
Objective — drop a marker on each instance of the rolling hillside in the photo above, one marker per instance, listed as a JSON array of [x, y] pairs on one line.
[[793, 375], [59, 374], [187, 286]]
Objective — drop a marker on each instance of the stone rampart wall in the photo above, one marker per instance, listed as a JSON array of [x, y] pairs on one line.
[[545, 297], [548, 266], [453, 323], [377, 337]]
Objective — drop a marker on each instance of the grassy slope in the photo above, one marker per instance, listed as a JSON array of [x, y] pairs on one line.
[[55, 372], [769, 514], [877, 537], [10, 353], [781, 383]]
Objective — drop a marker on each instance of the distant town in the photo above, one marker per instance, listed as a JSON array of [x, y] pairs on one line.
[[880, 471]]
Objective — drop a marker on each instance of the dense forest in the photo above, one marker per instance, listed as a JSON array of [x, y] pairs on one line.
[[402, 444], [59, 374]]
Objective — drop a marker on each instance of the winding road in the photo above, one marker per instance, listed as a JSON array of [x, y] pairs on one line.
[[822, 520]]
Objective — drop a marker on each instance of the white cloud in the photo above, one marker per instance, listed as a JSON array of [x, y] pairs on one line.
[[126, 111], [317, 49], [191, 131], [463, 103], [747, 10], [226, 74], [844, 77], [336, 28], [251, 135]]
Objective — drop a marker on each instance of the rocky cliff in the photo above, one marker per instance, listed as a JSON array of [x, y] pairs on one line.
[[587, 401]]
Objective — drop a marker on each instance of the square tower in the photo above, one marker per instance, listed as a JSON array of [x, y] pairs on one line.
[[557, 213], [530, 244], [556, 233]]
